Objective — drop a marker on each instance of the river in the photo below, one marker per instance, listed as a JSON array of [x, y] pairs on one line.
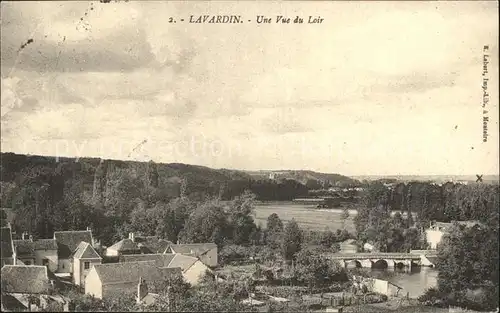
[[308, 217], [415, 282]]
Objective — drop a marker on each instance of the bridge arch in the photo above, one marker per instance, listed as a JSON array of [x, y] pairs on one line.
[[399, 265], [380, 264], [353, 264]]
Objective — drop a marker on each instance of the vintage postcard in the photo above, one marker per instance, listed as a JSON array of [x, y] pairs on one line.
[[267, 156]]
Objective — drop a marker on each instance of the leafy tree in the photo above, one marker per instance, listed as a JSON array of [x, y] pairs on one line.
[[274, 231], [172, 217], [292, 240], [467, 268], [315, 270], [328, 238], [240, 218], [207, 223], [344, 216]]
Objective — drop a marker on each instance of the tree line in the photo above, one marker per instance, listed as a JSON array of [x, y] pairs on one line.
[[435, 202]]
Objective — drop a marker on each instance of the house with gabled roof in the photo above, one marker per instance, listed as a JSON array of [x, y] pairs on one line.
[[122, 278], [25, 283], [145, 297], [25, 251], [67, 243], [434, 234], [124, 246], [25, 279], [46, 253], [84, 258], [206, 252], [36, 252], [192, 268], [22, 284], [151, 244], [7, 252]]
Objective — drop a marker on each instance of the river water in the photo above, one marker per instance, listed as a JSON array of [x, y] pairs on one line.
[[415, 282]]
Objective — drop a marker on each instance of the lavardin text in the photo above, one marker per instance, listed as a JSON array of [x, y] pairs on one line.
[[217, 19]]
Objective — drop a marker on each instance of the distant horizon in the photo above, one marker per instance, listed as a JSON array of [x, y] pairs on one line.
[[262, 169]]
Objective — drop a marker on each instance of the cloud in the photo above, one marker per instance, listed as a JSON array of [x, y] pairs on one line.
[[285, 120], [112, 75], [10, 98]]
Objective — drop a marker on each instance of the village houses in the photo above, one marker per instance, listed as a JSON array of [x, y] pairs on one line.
[[7, 247], [434, 234], [139, 262], [28, 288], [122, 278], [192, 268], [206, 252]]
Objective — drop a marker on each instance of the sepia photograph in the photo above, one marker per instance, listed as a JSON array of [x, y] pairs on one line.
[[249, 156]]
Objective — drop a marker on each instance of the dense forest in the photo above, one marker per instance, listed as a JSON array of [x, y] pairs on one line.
[[436, 202], [114, 197], [110, 196]]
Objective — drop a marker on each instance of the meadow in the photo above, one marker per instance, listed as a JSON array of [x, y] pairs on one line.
[[307, 216]]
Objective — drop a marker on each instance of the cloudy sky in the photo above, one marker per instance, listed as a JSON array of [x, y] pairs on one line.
[[377, 88]]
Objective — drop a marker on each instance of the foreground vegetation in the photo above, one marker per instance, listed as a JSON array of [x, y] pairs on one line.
[[175, 203]]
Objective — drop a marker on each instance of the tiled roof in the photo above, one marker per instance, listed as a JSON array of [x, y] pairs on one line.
[[182, 261], [45, 244], [197, 249], [161, 260], [125, 245], [68, 241], [6, 247], [24, 248], [127, 272], [149, 299], [25, 279], [12, 304], [86, 251], [152, 244]]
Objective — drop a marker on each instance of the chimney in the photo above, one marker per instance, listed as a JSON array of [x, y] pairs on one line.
[[131, 236], [88, 228], [142, 290], [23, 235]]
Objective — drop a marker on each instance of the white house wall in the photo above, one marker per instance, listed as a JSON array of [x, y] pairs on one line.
[[433, 237], [195, 273], [93, 285], [65, 266]]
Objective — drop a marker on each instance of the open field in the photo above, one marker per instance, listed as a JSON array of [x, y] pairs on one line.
[[307, 216]]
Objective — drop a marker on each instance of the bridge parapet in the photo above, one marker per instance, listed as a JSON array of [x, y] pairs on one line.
[[378, 255]]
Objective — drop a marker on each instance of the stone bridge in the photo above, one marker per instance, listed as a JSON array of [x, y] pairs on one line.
[[378, 260]]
